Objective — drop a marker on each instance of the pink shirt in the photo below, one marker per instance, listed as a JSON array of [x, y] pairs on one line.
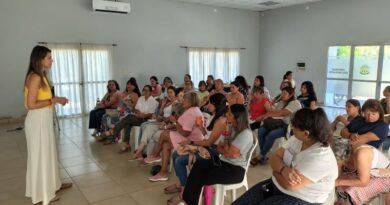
[[187, 120], [258, 108], [155, 90]]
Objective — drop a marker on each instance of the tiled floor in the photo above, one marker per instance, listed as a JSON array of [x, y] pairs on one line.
[[99, 174]]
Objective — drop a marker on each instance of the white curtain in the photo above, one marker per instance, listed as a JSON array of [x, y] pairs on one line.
[[221, 63], [97, 67], [80, 73], [65, 77]]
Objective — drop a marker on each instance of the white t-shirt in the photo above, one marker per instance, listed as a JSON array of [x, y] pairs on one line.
[[339, 127], [244, 142], [318, 164], [292, 106], [167, 111], [146, 106]]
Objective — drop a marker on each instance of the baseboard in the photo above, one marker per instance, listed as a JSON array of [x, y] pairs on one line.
[[9, 120]]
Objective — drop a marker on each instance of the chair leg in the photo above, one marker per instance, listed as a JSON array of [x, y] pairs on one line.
[[233, 195], [219, 194], [201, 197]]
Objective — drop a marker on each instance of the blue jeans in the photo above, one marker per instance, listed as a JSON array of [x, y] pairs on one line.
[[267, 139], [180, 162]]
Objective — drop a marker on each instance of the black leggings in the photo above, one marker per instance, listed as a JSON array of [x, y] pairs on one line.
[[265, 193], [95, 118], [206, 172]]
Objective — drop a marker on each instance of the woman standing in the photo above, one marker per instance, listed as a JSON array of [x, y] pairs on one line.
[[42, 178]]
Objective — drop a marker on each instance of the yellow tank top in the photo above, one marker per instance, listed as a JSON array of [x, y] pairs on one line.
[[43, 93]]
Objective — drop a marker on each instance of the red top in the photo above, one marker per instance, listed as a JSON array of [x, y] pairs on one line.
[[258, 108]]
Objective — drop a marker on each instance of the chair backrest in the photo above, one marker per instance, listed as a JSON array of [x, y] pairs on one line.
[[255, 142]]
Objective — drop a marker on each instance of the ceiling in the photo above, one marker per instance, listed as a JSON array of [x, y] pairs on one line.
[[254, 5]]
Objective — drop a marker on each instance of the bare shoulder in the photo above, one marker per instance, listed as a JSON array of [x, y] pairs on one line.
[[364, 151], [221, 122], [33, 79]]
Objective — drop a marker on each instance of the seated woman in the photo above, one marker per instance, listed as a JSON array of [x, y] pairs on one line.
[[235, 96], [128, 100], [202, 93], [156, 88], [213, 133], [177, 111], [187, 77], [367, 176], [308, 97], [151, 127], [210, 83], [369, 129], [146, 106], [353, 109], [242, 86], [385, 102], [230, 169], [109, 101], [218, 88], [167, 82], [289, 77], [276, 128], [278, 98], [304, 170], [258, 106], [259, 82], [185, 130], [189, 86]]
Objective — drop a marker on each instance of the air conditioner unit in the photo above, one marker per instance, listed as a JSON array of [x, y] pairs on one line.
[[111, 6]]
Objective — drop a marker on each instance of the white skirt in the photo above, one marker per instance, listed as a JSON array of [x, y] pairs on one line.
[[42, 178]]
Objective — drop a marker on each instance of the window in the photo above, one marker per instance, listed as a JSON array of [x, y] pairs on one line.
[[362, 78], [80, 73], [221, 63]]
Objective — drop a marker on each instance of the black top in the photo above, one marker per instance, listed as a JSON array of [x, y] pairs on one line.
[[306, 100], [360, 126]]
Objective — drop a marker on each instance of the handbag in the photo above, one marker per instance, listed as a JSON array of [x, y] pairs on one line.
[[112, 112], [191, 149], [272, 124]]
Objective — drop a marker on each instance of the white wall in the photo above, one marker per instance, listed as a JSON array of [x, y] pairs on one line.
[[148, 39], [294, 34]]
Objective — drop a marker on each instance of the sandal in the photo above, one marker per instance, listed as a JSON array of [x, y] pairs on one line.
[[174, 200], [255, 161], [124, 149], [172, 189]]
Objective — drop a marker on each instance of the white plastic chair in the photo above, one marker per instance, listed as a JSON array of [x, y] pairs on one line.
[[222, 188], [135, 132]]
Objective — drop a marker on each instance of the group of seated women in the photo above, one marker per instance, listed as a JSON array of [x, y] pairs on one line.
[[206, 135]]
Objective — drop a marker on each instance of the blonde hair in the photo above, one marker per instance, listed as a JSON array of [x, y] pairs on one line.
[[192, 97]]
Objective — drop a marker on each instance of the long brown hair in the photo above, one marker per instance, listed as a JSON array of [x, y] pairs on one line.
[[37, 55]]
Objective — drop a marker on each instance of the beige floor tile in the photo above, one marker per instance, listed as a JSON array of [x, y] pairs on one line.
[[13, 184], [102, 191], [71, 196], [74, 161], [120, 200], [143, 197], [82, 169], [14, 198], [92, 179]]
